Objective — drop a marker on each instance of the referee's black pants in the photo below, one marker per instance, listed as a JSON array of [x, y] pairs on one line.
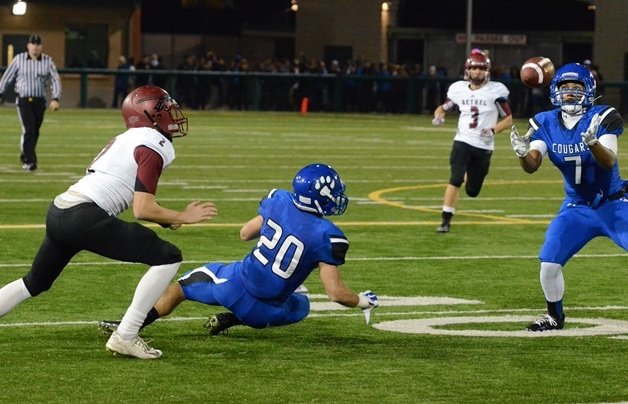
[[31, 113]]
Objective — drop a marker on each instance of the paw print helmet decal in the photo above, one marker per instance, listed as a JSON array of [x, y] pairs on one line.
[[319, 189]]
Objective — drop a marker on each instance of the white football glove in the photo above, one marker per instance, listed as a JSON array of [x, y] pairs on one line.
[[439, 120], [487, 135], [488, 132], [590, 136], [368, 300], [520, 144]]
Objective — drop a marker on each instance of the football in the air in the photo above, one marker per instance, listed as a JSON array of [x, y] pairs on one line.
[[537, 72]]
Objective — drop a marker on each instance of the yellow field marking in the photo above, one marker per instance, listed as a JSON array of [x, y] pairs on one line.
[[376, 196]]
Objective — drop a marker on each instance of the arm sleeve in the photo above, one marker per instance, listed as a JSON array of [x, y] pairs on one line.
[[55, 81], [339, 248], [612, 122], [503, 107], [149, 167], [9, 75], [448, 105]]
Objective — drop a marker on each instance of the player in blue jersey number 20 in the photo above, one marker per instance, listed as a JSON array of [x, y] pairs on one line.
[[294, 238], [580, 139]]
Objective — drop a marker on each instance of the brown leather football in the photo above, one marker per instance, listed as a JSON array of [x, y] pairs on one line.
[[537, 72]]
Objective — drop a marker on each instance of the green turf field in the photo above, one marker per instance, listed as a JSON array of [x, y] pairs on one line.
[[462, 299]]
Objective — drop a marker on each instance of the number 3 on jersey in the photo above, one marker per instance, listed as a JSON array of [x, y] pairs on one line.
[[285, 256]]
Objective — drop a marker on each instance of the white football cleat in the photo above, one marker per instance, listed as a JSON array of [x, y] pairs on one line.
[[135, 347], [367, 314]]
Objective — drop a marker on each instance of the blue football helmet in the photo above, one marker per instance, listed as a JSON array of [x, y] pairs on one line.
[[574, 72], [319, 189]]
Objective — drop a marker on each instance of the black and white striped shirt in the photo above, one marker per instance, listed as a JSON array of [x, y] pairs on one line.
[[32, 75]]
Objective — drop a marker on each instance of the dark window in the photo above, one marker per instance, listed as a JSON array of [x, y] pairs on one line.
[[86, 45]]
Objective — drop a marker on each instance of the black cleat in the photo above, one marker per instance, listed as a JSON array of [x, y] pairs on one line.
[[29, 167], [545, 322], [107, 327], [221, 322], [444, 225], [443, 228]]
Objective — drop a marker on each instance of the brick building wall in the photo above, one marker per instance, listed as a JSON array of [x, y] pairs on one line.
[[357, 24], [360, 26], [610, 45], [50, 20]]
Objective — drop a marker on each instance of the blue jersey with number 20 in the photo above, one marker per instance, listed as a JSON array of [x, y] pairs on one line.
[[292, 243]]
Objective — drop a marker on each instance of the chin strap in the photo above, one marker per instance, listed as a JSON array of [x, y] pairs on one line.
[[157, 127]]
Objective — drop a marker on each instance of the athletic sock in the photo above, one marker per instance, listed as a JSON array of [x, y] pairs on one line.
[[148, 291], [11, 295], [150, 318], [555, 309], [447, 217]]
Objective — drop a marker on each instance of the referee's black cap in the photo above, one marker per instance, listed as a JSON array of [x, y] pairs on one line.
[[35, 39]]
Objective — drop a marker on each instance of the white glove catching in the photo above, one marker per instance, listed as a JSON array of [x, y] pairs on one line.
[[487, 135], [488, 132], [590, 136], [439, 120], [520, 144], [368, 300]]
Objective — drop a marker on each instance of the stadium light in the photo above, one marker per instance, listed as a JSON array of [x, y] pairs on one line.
[[19, 8]]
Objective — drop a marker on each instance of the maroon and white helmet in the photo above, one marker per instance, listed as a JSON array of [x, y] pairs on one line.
[[152, 107], [477, 59]]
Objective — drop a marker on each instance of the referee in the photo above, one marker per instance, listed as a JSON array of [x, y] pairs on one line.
[[31, 71]]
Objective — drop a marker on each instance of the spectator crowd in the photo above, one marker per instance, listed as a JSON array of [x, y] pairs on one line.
[[365, 86]]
